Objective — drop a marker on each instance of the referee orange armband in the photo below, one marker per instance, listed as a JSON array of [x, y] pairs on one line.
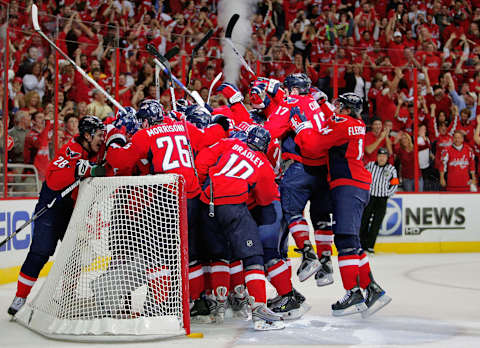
[[394, 181]]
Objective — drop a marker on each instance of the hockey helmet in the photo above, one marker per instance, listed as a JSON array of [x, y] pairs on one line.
[[300, 81], [258, 139], [350, 101], [90, 124], [150, 110], [199, 116], [127, 119]]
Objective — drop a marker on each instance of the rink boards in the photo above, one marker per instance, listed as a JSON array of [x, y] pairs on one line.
[[414, 223]]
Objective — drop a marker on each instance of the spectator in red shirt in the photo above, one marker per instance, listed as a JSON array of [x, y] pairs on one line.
[[404, 151], [32, 138], [376, 139], [459, 163]]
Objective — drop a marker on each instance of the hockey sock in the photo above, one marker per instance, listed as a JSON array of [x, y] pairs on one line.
[[207, 278], [220, 275], [24, 285], [196, 281], [299, 231], [289, 264], [256, 284], [280, 277], [324, 240], [236, 274], [364, 266], [349, 270]]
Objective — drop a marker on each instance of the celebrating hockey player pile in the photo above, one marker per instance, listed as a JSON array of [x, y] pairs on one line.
[[238, 217]]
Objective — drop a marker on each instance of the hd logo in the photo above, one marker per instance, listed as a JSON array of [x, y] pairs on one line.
[[392, 222], [408, 217]]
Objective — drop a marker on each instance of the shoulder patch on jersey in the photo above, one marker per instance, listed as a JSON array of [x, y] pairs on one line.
[[290, 100], [338, 119], [72, 154], [325, 130]]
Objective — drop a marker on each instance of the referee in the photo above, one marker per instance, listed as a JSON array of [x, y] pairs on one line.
[[384, 184]]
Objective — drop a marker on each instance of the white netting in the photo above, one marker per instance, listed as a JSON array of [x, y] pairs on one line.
[[117, 272]]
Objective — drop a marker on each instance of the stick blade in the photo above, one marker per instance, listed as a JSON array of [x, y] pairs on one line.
[[231, 24], [204, 39], [36, 26], [172, 52]]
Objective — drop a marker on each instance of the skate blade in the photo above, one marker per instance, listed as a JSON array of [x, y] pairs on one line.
[[313, 268], [326, 280], [358, 308], [294, 313], [378, 304], [262, 325], [243, 314]]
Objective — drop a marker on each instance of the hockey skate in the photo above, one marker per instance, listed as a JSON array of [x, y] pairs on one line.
[[353, 302], [239, 304], [325, 275], [200, 312], [310, 264], [17, 303], [375, 299], [264, 319], [221, 304], [288, 307]]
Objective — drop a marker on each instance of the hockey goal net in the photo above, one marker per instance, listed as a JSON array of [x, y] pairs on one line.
[[121, 271]]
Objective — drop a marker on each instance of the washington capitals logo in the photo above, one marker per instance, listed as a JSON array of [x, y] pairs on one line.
[[72, 154]]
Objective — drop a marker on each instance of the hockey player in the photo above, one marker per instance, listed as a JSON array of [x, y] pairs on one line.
[[165, 143], [229, 170], [342, 140], [72, 162], [305, 179]]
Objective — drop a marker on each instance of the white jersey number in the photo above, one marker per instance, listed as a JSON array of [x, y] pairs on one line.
[[181, 143], [231, 171]]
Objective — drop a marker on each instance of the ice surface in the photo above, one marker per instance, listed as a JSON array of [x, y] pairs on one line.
[[436, 303]]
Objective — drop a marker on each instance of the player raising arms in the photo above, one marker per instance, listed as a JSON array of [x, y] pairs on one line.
[[305, 179], [71, 163], [231, 170], [342, 140]]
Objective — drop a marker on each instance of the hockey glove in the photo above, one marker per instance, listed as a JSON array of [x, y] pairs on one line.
[[98, 170], [298, 121], [115, 136], [318, 95], [273, 87], [222, 121], [230, 92]]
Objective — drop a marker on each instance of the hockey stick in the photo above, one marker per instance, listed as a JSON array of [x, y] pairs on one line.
[[193, 94], [170, 53], [166, 68], [82, 72], [42, 211], [228, 37], [194, 52], [214, 82]]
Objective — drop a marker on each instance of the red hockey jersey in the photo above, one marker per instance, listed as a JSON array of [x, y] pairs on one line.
[[342, 141], [235, 170], [279, 126], [166, 147], [61, 170], [458, 164]]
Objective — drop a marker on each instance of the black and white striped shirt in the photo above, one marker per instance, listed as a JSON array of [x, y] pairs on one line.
[[384, 179]]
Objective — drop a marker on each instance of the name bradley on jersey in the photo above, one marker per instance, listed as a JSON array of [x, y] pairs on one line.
[[249, 154]]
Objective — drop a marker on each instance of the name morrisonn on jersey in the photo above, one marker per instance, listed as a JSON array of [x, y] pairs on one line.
[[165, 129], [356, 130], [249, 154]]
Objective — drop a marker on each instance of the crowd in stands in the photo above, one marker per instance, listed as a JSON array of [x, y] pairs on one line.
[[375, 45]]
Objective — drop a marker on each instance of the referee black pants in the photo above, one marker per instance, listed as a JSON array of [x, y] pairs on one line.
[[374, 211]]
